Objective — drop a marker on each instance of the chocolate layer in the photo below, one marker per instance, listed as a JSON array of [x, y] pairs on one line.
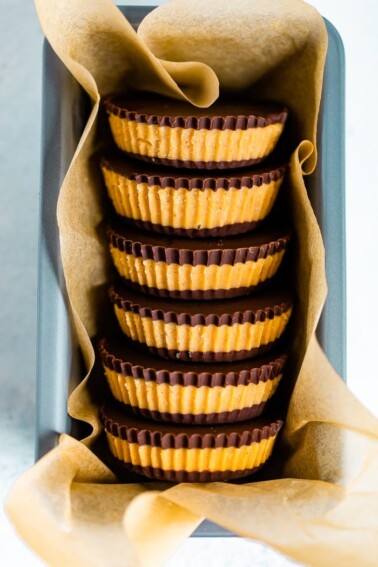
[[210, 356], [125, 357], [176, 179], [190, 164], [174, 250], [199, 294], [182, 476], [264, 305], [224, 114], [201, 418], [216, 232], [134, 429]]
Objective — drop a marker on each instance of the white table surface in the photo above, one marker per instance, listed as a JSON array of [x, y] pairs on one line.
[[20, 118]]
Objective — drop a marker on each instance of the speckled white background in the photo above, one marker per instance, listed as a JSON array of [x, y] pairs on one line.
[[20, 118]]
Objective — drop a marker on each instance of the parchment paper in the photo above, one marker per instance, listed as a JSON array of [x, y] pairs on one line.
[[321, 508]]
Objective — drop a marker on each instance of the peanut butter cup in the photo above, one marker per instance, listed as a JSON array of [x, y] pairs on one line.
[[233, 329], [226, 135], [196, 393], [197, 204], [180, 453], [188, 268]]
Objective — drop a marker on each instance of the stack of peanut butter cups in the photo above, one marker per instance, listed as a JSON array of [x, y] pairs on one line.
[[200, 311]]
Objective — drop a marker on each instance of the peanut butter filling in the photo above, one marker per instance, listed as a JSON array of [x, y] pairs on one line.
[[174, 277], [189, 209], [209, 459], [178, 399], [195, 145], [201, 338]]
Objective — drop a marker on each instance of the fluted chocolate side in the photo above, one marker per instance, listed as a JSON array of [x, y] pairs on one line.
[[172, 391], [192, 268], [171, 201], [134, 429], [180, 453], [184, 476], [252, 309], [152, 110], [124, 357], [181, 135], [232, 329]]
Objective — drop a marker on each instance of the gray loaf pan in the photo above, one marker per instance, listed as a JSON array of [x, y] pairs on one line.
[[65, 111]]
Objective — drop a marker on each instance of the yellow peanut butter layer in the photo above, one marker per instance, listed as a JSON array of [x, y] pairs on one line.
[[195, 145], [201, 338], [189, 209], [179, 399], [173, 277], [207, 459]]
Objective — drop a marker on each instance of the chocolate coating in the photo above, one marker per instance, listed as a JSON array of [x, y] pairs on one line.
[[175, 250], [174, 178], [264, 305], [197, 294], [181, 476], [125, 357], [210, 356], [135, 429], [224, 114], [190, 164], [201, 418], [216, 232]]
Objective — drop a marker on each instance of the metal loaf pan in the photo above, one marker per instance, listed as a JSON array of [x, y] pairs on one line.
[[65, 111]]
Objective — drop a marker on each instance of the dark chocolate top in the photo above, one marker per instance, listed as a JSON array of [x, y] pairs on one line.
[[264, 305], [196, 251], [154, 174], [135, 429], [124, 357], [224, 114]]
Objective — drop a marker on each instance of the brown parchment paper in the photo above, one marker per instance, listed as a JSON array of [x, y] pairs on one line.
[[321, 508]]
